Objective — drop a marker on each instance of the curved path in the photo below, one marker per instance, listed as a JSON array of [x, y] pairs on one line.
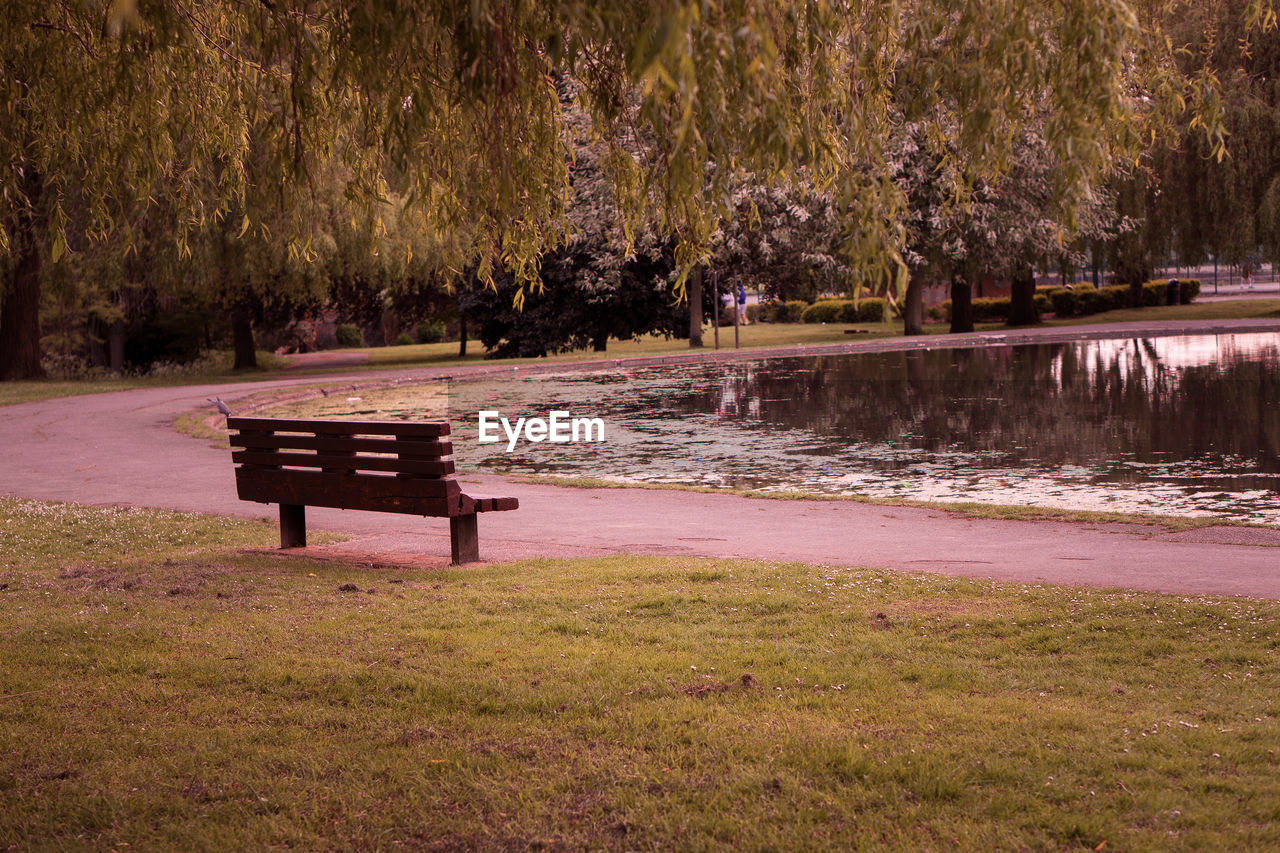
[[121, 448]]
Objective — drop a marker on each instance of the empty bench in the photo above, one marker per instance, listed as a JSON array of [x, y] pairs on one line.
[[378, 466]]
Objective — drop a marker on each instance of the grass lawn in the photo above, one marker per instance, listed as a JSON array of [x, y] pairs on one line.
[[754, 336], [216, 368], [164, 688]]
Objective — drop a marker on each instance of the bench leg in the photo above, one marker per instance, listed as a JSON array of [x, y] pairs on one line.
[[464, 538], [293, 526]]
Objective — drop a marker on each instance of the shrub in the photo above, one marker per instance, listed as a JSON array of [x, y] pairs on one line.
[[1065, 303], [1043, 303], [402, 339], [1090, 300], [794, 310], [784, 312], [1153, 292], [1156, 292], [429, 333], [985, 310], [826, 311], [777, 311], [868, 310], [991, 310], [1117, 294], [349, 335], [753, 313]]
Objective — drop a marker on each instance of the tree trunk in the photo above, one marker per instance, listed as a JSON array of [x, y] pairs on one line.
[[961, 305], [600, 343], [1135, 276], [1022, 299], [115, 345], [20, 303], [1135, 292], [97, 342], [462, 333], [913, 308], [242, 336], [694, 294]]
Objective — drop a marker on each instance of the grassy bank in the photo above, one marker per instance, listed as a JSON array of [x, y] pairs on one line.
[[165, 689], [216, 367]]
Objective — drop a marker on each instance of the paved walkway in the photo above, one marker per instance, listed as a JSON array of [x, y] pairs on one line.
[[121, 448]]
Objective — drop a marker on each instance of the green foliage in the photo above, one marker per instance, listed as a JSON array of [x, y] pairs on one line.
[[778, 311], [866, 310], [430, 333], [205, 127], [826, 311], [1188, 290], [177, 337], [349, 335], [990, 310], [785, 239], [403, 339], [985, 310], [574, 309], [1195, 203], [1084, 299], [870, 309], [792, 311]]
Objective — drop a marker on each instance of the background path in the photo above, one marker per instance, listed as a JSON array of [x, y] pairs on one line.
[[121, 448]]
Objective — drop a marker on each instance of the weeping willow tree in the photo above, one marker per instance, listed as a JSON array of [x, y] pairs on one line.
[[453, 105], [1198, 204]]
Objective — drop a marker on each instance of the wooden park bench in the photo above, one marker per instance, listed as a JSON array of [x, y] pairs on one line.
[[379, 466]]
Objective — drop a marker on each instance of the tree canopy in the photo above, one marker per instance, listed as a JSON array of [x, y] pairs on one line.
[[210, 109]]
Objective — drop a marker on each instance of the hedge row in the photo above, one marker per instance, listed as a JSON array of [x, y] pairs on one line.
[[1081, 300], [869, 310], [1084, 299]]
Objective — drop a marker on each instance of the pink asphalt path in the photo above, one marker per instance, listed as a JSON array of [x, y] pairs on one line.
[[122, 448]]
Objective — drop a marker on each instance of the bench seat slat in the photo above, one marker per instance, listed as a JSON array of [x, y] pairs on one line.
[[424, 449], [423, 468], [405, 429], [349, 491]]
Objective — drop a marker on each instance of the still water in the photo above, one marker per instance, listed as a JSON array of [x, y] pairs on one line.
[[1171, 425]]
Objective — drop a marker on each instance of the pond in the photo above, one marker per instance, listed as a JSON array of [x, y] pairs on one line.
[[1171, 425]]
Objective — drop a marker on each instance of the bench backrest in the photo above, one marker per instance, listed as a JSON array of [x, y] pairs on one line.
[[385, 466]]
